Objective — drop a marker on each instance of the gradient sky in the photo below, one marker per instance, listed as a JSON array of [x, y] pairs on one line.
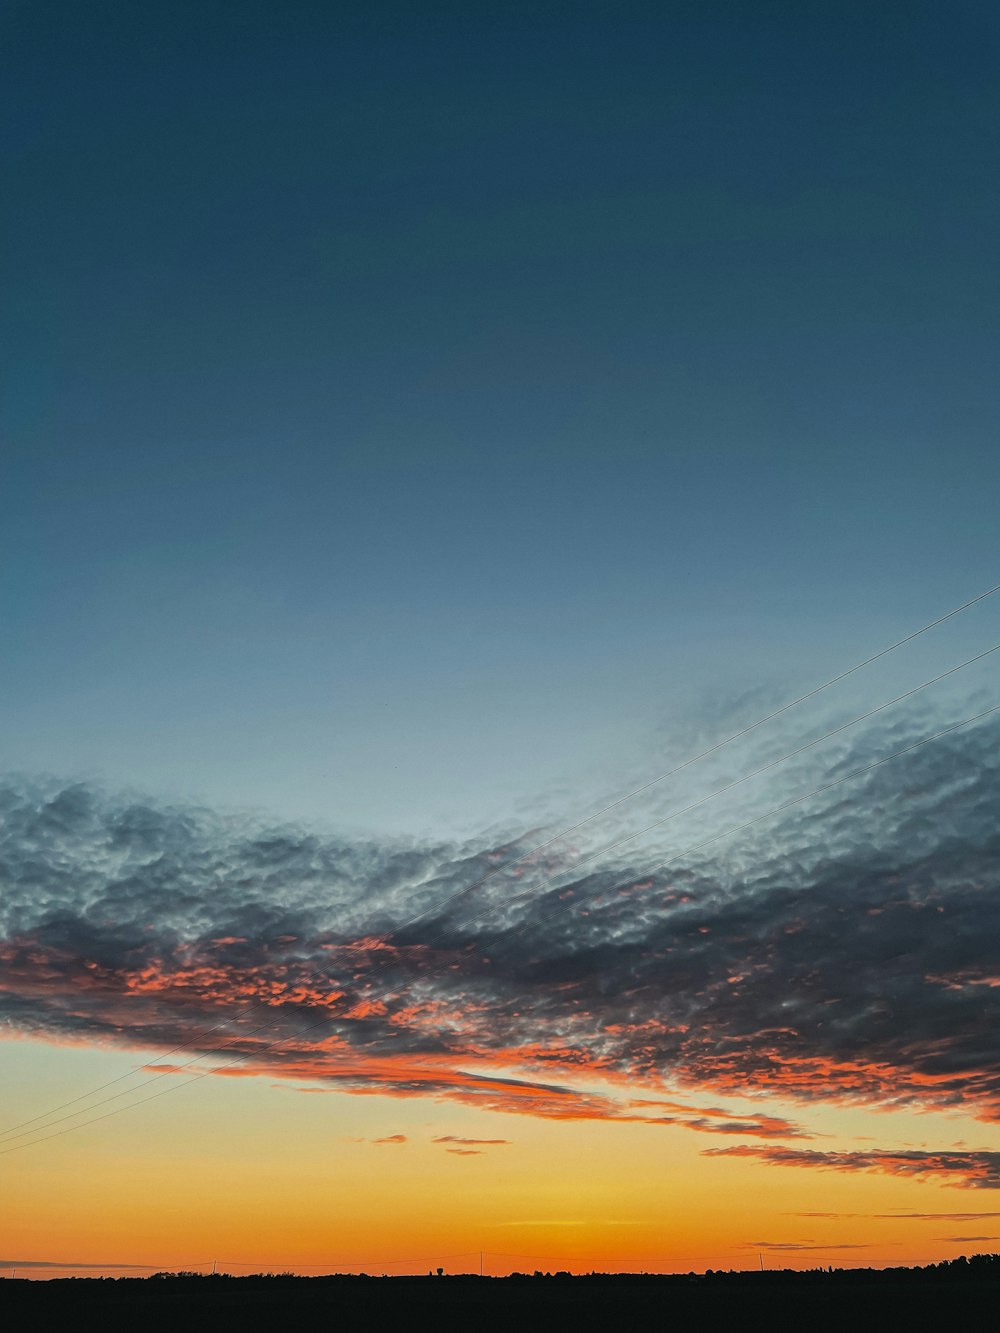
[[421, 424]]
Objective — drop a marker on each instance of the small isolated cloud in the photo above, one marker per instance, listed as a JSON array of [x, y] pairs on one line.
[[391, 1138], [965, 1240], [903, 1217], [568, 1222], [465, 1152], [469, 1143], [967, 1170], [801, 1245], [715, 1120]]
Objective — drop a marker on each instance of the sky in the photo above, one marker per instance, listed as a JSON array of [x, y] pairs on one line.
[[424, 425]]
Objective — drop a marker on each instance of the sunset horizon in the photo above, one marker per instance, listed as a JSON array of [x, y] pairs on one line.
[[501, 760]]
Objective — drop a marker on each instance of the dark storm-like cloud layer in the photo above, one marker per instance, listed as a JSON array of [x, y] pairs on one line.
[[848, 949]]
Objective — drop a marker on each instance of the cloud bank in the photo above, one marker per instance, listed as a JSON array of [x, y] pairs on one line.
[[847, 950]]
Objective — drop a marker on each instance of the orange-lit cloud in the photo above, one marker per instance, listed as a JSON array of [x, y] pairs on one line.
[[817, 969], [968, 1170], [404, 1076], [469, 1143], [792, 1245]]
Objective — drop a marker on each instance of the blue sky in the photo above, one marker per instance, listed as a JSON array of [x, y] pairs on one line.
[[411, 410]]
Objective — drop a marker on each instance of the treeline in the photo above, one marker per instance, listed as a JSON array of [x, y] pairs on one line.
[[975, 1267]]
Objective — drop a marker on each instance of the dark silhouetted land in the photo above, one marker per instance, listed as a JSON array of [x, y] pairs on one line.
[[960, 1294]]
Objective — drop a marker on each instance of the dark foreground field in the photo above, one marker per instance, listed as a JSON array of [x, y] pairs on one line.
[[806, 1301]]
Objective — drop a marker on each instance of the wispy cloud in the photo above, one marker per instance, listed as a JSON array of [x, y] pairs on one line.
[[970, 1170], [795, 1245], [567, 1222], [965, 1240], [904, 1217], [469, 1143]]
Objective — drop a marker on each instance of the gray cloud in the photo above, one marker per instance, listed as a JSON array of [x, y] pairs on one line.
[[848, 949], [970, 1170], [905, 1217], [803, 1245], [469, 1143]]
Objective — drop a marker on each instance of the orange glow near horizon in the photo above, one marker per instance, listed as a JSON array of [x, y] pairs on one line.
[[253, 1175]]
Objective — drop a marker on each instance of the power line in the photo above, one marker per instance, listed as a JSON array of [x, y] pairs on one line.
[[583, 897], [137, 1069], [438, 908]]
